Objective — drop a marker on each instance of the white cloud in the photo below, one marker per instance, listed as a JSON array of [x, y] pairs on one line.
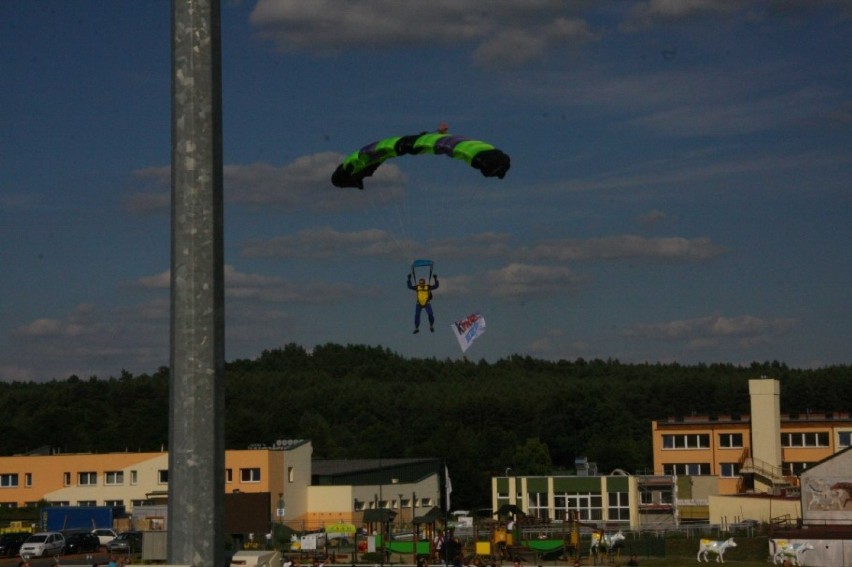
[[304, 184], [270, 289], [504, 32], [626, 247], [708, 332], [325, 242], [525, 280], [653, 218], [82, 321], [481, 245]]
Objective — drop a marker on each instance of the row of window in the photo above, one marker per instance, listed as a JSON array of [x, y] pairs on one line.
[[116, 478], [726, 470], [702, 441], [812, 439], [584, 505], [392, 504], [735, 440]]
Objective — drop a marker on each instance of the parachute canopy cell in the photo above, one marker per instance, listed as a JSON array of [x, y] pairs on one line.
[[490, 161]]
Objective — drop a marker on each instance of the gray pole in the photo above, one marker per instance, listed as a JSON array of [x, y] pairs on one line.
[[196, 390]]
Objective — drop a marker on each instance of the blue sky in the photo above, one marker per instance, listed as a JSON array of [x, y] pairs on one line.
[[680, 185]]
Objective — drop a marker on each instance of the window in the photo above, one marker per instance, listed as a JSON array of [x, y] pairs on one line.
[[794, 469], [291, 474], [87, 478], [618, 506], [113, 502], [805, 439], [113, 477], [587, 505], [28, 479], [8, 505], [731, 440], [729, 470], [537, 505], [229, 475], [163, 476], [66, 479], [252, 475], [693, 469], [656, 496], [87, 503], [844, 439], [134, 477], [8, 480], [686, 441]]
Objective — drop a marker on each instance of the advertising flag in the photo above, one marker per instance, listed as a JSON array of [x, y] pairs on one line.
[[468, 329]]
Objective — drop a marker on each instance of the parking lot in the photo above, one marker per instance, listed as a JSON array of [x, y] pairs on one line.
[[100, 558]]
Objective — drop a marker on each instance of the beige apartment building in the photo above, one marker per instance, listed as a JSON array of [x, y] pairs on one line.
[[282, 471]]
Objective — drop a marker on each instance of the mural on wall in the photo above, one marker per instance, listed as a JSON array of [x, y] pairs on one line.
[[826, 496]]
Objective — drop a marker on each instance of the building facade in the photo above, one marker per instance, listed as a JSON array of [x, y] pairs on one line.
[[300, 492], [721, 469], [764, 452], [610, 500], [282, 471]]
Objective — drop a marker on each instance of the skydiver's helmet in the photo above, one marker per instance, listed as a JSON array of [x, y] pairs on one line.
[[422, 281]]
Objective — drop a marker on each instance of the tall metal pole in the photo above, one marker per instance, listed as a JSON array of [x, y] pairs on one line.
[[196, 390]]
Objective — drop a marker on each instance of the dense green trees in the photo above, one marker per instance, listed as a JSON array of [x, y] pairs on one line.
[[367, 402]]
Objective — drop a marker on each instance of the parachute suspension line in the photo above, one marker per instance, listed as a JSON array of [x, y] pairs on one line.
[[402, 236], [381, 220]]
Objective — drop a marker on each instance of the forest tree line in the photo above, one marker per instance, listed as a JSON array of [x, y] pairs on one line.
[[355, 401]]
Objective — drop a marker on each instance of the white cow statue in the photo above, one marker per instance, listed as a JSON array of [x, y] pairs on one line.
[[606, 542], [714, 546], [787, 549]]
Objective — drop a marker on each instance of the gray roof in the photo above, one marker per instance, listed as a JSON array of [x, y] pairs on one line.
[[332, 467]]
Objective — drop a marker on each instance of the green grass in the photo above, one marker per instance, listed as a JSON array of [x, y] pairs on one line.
[[690, 562]]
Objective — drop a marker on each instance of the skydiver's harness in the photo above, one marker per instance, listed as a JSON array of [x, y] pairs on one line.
[[424, 294]]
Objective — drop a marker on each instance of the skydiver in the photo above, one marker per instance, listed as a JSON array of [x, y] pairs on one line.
[[424, 298]]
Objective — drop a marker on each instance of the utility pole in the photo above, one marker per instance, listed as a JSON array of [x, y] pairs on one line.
[[197, 362]]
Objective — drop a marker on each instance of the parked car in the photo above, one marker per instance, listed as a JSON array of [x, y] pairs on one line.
[[105, 535], [10, 543], [43, 544], [82, 542], [126, 542]]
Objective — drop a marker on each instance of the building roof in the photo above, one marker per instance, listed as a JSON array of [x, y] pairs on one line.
[[363, 472], [280, 444], [331, 467]]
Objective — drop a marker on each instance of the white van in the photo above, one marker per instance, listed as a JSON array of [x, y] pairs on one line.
[[43, 544]]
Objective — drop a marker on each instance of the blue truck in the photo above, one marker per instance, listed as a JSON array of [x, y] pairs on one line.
[[64, 518]]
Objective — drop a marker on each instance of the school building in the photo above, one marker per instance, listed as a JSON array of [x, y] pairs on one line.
[[758, 457]]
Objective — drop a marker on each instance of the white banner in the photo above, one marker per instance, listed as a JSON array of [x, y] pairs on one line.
[[468, 329]]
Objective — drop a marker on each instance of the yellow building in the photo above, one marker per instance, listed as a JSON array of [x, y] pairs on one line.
[[302, 493], [764, 452], [282, 471]]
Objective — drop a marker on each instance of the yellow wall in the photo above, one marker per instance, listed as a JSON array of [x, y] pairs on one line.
[[761, 436], [732, 509], [48, 477], [329, 505], [47, 474]]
